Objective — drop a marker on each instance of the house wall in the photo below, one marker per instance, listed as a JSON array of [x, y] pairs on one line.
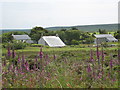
[[100, 40], [27, 41], [42, 41]]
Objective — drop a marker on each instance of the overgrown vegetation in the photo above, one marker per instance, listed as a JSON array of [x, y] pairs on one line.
[[61, 68], [15, 45]]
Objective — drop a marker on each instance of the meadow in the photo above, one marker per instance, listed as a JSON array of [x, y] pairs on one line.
[[67, 67]]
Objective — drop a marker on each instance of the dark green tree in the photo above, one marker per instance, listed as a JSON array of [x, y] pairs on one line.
[[63, 30], [74, 28], [102, 31], [72, 35], [36, 33], [117, 35]]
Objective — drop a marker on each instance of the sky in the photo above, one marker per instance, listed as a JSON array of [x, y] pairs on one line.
[[21, 14]]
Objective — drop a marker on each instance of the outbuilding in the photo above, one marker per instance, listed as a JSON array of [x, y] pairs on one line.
[[104, 38], [51, 41], [23, 38]]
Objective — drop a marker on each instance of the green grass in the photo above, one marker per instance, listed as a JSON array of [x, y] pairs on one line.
[[64, 70], [37, 49]]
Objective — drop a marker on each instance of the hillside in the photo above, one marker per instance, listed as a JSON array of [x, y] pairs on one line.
[[89, 28], [11, 30]]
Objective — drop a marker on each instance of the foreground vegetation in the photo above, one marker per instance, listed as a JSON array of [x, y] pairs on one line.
[[68, 67], [78, 65]]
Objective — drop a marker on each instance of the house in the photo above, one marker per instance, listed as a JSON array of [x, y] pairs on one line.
[[51, 41], [23, 38], [104, 38]]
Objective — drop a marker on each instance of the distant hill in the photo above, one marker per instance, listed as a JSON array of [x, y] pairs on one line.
[[89, 28], [12, 30]]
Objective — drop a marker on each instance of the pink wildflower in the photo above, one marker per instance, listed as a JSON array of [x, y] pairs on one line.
[[41, 53], [89, 68], [8, 53]]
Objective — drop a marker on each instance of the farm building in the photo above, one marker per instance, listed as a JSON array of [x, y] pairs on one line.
[[23, 38], [104, 38], [52, 41]]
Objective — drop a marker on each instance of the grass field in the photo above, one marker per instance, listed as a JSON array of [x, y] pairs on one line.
[[67, 67]]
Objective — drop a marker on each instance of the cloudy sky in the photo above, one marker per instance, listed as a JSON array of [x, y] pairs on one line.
[[49, 13]]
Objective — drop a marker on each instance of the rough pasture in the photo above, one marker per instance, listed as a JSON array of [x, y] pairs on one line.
[[67, 67]]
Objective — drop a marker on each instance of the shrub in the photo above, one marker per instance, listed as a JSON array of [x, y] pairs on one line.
[[19, 45], [77, 46], [16, 45], [36, 45], [74, 42]]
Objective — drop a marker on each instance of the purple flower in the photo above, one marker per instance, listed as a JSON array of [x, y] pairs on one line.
[[91, 56], [54, 56], [111, 64], [23, 62], [18, 59], [94, 75], [36, 59], [27, 66], [89, 68], [41, 53], [8, 53], [46, 56], [13, 54], [102, 55], [4, 62], [34, 67], [98, 54], [23, 59], [10, 68], [99, 76]]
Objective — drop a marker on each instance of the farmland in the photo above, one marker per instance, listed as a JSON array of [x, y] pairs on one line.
[[67, 67], [80, 64]]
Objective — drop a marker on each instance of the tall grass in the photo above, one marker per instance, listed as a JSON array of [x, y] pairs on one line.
[[72, 69]]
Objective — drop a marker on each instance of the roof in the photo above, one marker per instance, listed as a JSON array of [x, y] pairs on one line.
[[53, 41], [108, 36], [103, 35], [21, 37]]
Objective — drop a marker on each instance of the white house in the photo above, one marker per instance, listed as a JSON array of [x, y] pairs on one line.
[[23, 38], [104, 38], [52, 41]]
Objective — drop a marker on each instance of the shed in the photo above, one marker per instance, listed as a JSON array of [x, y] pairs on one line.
[[105, 38], [23, 38], [52, 41]]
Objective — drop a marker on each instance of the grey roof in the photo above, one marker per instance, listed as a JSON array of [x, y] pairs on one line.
[[103, 35], [108, 36], [53, 41], [21, 37]]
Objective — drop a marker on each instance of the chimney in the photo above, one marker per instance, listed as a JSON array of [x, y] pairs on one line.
[[57, 35], [12, 34], [41, 34]]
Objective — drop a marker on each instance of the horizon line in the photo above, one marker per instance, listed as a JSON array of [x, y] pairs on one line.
[[60, 26]]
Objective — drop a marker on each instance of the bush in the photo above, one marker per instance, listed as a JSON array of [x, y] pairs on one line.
[[37, 45], [77, 46], [74, 42], [16, 45], [105, 44], [19, 45]]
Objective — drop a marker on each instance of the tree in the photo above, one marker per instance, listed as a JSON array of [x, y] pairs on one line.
[[63, 30], [102, 31], [72, 35], [7, 37], [36, 33], [117, 35], [74, 28]]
